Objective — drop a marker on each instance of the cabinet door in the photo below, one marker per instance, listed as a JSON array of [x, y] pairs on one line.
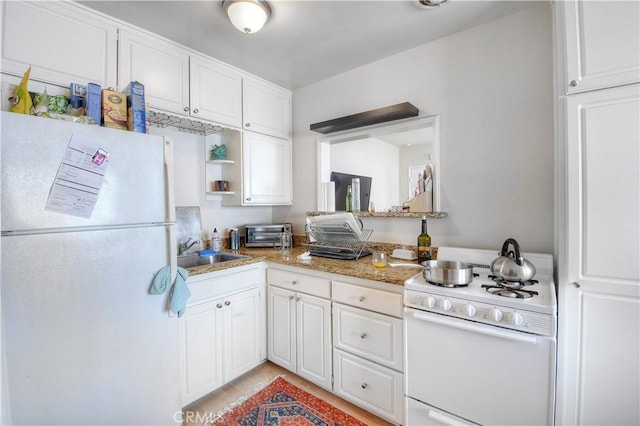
[[266, 108], [61, 41], [602, 43], [201, 350], [216, 92], [313, 339], [241, 333], [281, 327], [161, 66], [267, 170], [599, 292]]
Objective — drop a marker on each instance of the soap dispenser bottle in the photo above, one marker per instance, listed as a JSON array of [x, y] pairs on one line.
[[215, 241]]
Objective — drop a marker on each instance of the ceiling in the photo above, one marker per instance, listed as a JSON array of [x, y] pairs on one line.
[[307, 40]]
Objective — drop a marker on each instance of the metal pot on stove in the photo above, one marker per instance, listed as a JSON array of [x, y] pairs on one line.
[[443, 272], [511, 265]]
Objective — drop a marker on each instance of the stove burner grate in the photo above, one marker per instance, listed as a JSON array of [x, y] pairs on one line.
[[447, 285], [512, 284], [514, 292]]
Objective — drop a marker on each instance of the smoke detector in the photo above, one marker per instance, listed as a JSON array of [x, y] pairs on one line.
[[429, 4]]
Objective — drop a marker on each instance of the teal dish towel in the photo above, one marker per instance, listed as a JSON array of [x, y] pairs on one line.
[[179, 292]]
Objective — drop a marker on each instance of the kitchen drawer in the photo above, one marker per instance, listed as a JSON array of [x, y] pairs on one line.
[[373, 387], [206, 287], [373, 336], [299, 282], [371, 299]]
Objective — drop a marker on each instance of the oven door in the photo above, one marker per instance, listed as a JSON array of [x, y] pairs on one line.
[[481, 373]]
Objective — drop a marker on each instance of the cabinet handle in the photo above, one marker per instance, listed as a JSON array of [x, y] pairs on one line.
[[364, 386], [227, 303], [575, 285], [573, 83], [297, 299], [186, 109], [363, 335], [248, 198], [196, 110], [294, 282], [219, 305], [362, 298], [247, 124], [291, 297]]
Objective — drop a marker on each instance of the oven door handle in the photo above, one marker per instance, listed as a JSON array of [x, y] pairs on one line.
[[474, 327]]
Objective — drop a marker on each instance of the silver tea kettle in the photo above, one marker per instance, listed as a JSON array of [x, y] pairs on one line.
[[511, 265]]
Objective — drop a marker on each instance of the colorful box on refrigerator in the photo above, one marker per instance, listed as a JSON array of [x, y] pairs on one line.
[[94, 102], [114, 109], [136, 114]]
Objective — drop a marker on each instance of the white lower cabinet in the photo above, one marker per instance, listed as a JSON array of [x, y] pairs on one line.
[[368, 349], [221, 337], [299, 334], [369, 385]]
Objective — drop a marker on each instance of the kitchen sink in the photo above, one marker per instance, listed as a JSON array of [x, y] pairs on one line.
[[193, 260]]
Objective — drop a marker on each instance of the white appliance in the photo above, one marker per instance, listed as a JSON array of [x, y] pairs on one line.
[[83, 340], [474, 357]]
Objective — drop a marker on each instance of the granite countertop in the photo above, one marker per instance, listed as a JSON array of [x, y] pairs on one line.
[[361, 268]]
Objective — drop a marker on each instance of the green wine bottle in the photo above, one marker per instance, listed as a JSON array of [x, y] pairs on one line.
[[348, 199], [424, 243]]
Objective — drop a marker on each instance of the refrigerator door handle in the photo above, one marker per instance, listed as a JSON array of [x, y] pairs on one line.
[[171, 211]]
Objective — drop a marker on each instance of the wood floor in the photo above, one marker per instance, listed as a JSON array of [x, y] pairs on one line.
[[199, 411]]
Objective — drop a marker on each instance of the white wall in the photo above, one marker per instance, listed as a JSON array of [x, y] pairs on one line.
[[492, 86], [189, 159]]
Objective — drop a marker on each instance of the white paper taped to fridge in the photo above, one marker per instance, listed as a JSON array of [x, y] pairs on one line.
[[80, 176]]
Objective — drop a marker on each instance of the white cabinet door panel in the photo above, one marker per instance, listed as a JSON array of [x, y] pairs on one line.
[[267, 170], [281, 323], [62, 42], [599, 290], [314, 339], [216, 92], [266, 108], [603, 43], [241, 333], [201, 350], [161, 66]]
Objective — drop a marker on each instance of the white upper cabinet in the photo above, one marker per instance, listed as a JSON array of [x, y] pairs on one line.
[[602, 44], [162, 67], [216, 91], [62, 42], [266, 169], [266, 108]]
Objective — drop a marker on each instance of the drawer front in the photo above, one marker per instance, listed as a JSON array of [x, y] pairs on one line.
[[371, 386], [368, 298], [299, 282], [373, 336], [206, 287]]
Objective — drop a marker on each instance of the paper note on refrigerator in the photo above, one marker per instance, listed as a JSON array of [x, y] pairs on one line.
[[77, 185]]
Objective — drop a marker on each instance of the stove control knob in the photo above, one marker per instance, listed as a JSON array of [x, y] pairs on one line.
[[445, 305], [495, 314], [429, 302], [516, 318], [470, 310]]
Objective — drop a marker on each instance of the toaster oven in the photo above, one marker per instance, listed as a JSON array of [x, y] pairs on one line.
[[264, 235]]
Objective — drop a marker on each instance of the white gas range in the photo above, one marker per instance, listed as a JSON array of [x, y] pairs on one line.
[[474, 356]]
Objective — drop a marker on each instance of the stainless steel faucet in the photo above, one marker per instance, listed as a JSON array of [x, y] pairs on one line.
[[184, 246]]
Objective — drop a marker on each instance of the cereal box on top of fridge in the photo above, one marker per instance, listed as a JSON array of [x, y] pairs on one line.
[[114, 109], [136, 114]]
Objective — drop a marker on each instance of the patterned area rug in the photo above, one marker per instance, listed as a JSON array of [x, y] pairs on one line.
[[282, 404]]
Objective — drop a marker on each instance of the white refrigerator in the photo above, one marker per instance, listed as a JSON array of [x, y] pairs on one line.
[[83, 340]]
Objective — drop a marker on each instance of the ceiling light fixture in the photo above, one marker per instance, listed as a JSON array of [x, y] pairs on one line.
[[429, 4], [247, 15]]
